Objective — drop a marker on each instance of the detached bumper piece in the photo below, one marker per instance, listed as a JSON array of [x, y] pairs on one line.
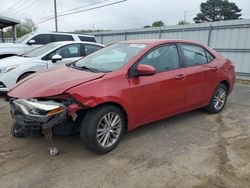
[[33, 113]]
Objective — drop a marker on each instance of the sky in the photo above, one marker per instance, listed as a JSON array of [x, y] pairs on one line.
[[125, 15]]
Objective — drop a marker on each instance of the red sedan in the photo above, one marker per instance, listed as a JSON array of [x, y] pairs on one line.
[[119, 88]]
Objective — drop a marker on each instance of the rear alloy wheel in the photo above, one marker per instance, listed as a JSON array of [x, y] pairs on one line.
[[102, 128], [218, 100]]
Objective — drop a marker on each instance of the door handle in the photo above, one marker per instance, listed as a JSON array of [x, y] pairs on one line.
[[180, 77]]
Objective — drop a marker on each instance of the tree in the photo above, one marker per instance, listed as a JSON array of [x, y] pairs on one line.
[[25, 27], [217, 10], [183, 22], [158, 24], [83, 31]]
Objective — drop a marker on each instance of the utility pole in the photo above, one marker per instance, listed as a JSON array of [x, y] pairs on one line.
[[185, 14], [56, 27]]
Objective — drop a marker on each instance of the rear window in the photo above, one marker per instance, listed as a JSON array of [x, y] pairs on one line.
[[62, 38], [86, 38]]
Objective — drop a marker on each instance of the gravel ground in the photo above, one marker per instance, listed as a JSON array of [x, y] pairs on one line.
[[195, 149]]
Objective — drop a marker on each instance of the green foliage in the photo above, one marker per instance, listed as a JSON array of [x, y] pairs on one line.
[[25, 27], [155, 24], [158, 24], [217, 10], [88, 31], [183, 22], [22, 29]]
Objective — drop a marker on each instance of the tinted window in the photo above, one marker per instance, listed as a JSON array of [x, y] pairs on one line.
[[41, 50], [163, 58], [69, 51], [194, 55], [87, 39], [90, 48], [42, 39], [62, 38]]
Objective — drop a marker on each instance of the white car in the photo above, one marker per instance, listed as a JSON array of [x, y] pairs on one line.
[[33, 40], [15, 68]]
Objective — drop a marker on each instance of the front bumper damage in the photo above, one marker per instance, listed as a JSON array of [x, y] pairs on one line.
[[43, 114]]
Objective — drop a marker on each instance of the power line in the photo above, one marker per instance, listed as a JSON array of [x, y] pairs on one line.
[[13, 7], [73, 9], [22, 9], [83, 6], [75, 12]]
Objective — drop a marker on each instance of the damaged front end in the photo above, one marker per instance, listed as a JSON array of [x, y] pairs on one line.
[[44, 114], [56, 115]]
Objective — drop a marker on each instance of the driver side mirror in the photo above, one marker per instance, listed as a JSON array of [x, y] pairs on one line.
[[56, 58], [145, 70], [32, 41]]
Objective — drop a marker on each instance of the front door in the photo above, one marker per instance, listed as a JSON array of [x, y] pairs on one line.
[[69, 53], [160, 95]]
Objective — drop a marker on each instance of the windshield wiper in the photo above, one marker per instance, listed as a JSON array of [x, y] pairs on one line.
[[84, 67], [90, 68]]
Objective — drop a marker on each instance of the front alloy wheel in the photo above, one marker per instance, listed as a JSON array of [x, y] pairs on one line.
[[102, 128], [109, 129]]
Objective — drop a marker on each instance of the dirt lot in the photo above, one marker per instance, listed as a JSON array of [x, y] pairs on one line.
[[195, 149]]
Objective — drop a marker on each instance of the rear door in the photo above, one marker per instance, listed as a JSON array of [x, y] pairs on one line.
[[162, 94], [200, 69]]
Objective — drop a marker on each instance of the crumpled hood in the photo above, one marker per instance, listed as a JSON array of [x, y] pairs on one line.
[[14, 60], [51, 82]]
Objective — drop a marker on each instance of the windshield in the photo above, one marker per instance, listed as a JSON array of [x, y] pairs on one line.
[[41, 50], [110, 58], [23, 38]]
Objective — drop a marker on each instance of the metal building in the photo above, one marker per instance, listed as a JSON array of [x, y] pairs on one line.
[[230, 38], [8, 22]]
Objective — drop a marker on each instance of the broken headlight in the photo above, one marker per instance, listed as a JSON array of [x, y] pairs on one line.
[[39, 108]]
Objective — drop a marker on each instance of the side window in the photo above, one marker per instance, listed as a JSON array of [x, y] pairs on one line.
[[194, 55], [209, 57], [90, 48], [57, 38], [69, 51], [162, 58], [42, 39], [86, 39]]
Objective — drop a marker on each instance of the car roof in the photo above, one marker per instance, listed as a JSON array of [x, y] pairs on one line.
[[78, 42], [64, 33], [160, 41]]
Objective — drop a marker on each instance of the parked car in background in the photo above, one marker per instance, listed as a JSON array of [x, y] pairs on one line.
[[15, 68], [33, 40], [122, 87]]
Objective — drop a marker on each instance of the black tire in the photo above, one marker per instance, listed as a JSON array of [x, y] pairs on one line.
[[16, 130], [90, 123], [211, 108], [23, 76]]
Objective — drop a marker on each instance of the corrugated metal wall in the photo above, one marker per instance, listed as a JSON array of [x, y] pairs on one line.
[[230, 38]]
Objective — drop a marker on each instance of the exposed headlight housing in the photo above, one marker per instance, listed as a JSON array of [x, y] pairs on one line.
[[7, 69], [39, 108]]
